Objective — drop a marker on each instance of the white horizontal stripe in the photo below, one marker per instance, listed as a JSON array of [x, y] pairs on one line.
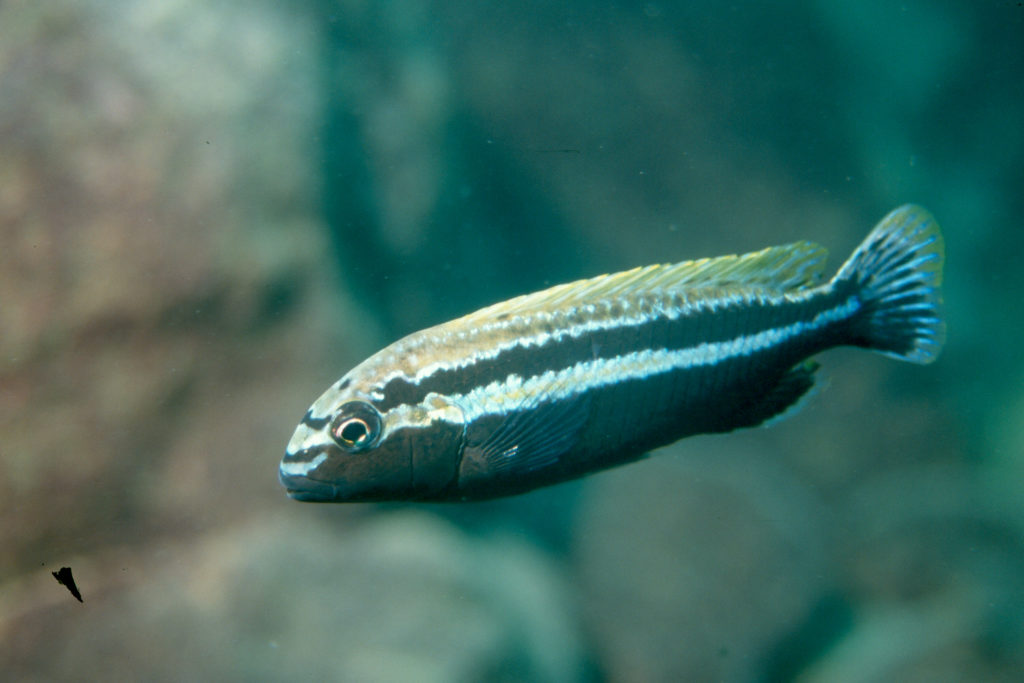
[[574, 330], [499, 397], [301, 469], [305, 437]]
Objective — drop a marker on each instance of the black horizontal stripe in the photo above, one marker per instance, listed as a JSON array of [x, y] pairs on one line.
[[314, 422], [631, 417], [725, 322], [639, 414]]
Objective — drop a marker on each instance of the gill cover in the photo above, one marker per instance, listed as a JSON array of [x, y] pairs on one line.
[[360, 454]]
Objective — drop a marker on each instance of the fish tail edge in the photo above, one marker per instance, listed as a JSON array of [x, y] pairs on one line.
[[896, 273]]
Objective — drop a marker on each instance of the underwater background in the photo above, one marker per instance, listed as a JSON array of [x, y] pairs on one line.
[[210, 211]]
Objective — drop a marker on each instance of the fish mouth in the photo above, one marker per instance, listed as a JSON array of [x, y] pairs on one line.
[[308, 490]]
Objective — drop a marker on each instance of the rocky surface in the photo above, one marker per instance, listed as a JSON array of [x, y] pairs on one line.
[[153, 315], [702, 589], [396, 597]]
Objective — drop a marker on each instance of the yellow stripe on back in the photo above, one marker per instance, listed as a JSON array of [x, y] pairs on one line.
[[789, 267]]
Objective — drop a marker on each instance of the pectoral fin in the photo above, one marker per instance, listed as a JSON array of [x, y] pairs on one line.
[[524, 441]]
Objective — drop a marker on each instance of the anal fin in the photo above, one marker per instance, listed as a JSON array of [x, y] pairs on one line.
[[781, 400]]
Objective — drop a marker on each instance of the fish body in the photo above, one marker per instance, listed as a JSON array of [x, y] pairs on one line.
[[588, 375]]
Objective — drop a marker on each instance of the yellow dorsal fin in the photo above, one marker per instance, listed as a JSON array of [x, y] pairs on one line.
[[789, 267]]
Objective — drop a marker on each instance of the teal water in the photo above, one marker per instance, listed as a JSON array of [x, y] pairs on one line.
[[209, 213]]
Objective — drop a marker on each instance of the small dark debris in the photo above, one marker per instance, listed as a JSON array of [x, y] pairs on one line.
[[64, 578]]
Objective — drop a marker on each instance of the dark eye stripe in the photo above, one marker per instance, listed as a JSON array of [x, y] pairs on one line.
[[314, 422]]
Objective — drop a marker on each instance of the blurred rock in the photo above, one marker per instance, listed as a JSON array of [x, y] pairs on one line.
[[694, 567], [935, 564], [931, 641], [400, 597], [429, 217], [164, 312]]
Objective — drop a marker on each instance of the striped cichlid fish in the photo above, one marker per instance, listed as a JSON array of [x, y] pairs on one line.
[[592, 374]]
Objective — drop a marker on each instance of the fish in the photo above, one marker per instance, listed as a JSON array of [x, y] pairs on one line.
[[551, 386], [66, 578]]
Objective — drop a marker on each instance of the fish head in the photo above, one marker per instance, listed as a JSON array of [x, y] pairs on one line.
[[349, 447]]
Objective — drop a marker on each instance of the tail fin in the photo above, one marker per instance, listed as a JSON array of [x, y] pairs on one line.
[[896, 273]]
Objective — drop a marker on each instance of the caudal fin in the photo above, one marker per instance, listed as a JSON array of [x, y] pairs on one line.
[[896, 273]]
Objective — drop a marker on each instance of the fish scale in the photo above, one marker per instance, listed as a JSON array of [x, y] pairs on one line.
[[555, 385]]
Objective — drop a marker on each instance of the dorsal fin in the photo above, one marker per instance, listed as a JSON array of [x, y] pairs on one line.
[[789, 267]]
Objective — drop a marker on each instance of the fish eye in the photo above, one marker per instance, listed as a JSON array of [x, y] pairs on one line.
[[356, 426]]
